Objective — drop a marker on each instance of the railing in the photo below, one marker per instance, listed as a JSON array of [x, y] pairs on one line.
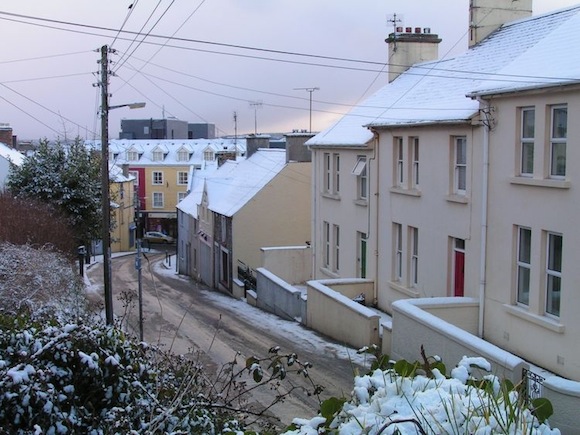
[[247, 275], [532, 383]]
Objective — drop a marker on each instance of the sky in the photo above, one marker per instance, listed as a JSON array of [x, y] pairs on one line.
[[205, 60]]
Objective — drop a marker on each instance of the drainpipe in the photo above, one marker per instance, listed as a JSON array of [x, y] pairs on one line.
[[377, 198], [484, 202], [314, 242]]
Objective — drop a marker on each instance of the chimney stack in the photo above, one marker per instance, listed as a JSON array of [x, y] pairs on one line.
[[408, 46], [486, 16], [255, 142]]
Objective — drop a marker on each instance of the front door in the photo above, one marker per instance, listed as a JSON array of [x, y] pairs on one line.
[[459, 267]]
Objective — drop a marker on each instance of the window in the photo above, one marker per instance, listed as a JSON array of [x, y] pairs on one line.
[[336, 172], [414, 256], [182, 178], [523, 265], [415, 158], [146, 129], [527, 141], [326, 247], [553, 273], [158, 200], [132, 156], [458, 262], [331, 183], [559, 133], [181, 196], [208, 155], [157, 177], [400, 162], [182, 155], [336, 233], [158, 156], [360, 170], [460, 165], [398, 249]]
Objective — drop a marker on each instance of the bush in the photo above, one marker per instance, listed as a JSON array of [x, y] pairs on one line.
[[419, 398]]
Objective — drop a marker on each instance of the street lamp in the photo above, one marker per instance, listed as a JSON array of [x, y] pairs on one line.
[[105, 200], [310, 91]]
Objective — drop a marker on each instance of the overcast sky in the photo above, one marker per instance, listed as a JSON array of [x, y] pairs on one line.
[[48, 68]]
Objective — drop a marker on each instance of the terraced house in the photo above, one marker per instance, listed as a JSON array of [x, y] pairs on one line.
[[452, 190], [162, 170]]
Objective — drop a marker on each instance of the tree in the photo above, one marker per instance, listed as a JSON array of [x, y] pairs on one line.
[[35, 223], [66, 177]]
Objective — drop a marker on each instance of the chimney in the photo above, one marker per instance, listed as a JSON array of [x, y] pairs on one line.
[[296, 151], [408, 46], [256, 141], [486, 16], [6, 135]]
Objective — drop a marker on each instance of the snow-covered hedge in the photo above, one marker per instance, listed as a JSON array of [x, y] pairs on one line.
[[81, 378], [407, 399]]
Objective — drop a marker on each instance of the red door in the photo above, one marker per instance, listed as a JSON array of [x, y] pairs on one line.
[[459, 275]]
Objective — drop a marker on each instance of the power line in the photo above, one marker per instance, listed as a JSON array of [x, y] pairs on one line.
[[131, 9], [26, 113], [44, 57]]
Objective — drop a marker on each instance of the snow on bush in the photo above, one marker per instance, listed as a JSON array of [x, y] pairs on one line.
[[38, 279], [419, 399], [83, 378]]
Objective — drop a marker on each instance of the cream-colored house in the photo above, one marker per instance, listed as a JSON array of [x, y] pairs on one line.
[[263, 200], [123, 234], [469, 164], [162, 170]]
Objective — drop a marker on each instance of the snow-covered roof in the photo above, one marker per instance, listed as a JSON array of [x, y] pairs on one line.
[[11, 154], [171, 148], [540, 50], [189, 204], [116, 175], [235, 183]]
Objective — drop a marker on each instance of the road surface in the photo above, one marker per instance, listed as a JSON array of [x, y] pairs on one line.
[[190, 319]]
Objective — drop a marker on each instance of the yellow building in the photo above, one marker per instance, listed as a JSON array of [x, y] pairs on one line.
[[123, 210]]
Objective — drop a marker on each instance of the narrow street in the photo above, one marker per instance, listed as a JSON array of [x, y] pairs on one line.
[[189, 319]]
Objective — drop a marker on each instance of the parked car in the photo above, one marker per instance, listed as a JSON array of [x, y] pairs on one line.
[[157, 237]]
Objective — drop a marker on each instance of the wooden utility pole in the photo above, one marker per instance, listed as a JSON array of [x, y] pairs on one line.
[[106, 202]]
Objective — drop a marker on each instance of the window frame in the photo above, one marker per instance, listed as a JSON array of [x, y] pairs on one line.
[[399, 157], [326, 244], [414, 162], [459, 167], [553, 275], [180, 176], [523, 266], [155, 200], [557, 141], [336, 247], [182, 155], [360, 170], [527, 142], [414, 256], [157, 178], [398, 251]]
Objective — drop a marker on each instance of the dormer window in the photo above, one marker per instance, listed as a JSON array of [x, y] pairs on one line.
[[208, 155], [182, 155], [158, 156], [132, 155]]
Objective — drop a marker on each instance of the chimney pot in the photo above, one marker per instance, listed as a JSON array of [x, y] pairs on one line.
[[417, 30], [408, 29]]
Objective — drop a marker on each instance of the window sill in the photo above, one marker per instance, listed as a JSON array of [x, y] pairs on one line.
[[545, 322], [404, 290], [361, 202], [331, 196], [403, 191], [329, 273], [459, 199], [544, 182]]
